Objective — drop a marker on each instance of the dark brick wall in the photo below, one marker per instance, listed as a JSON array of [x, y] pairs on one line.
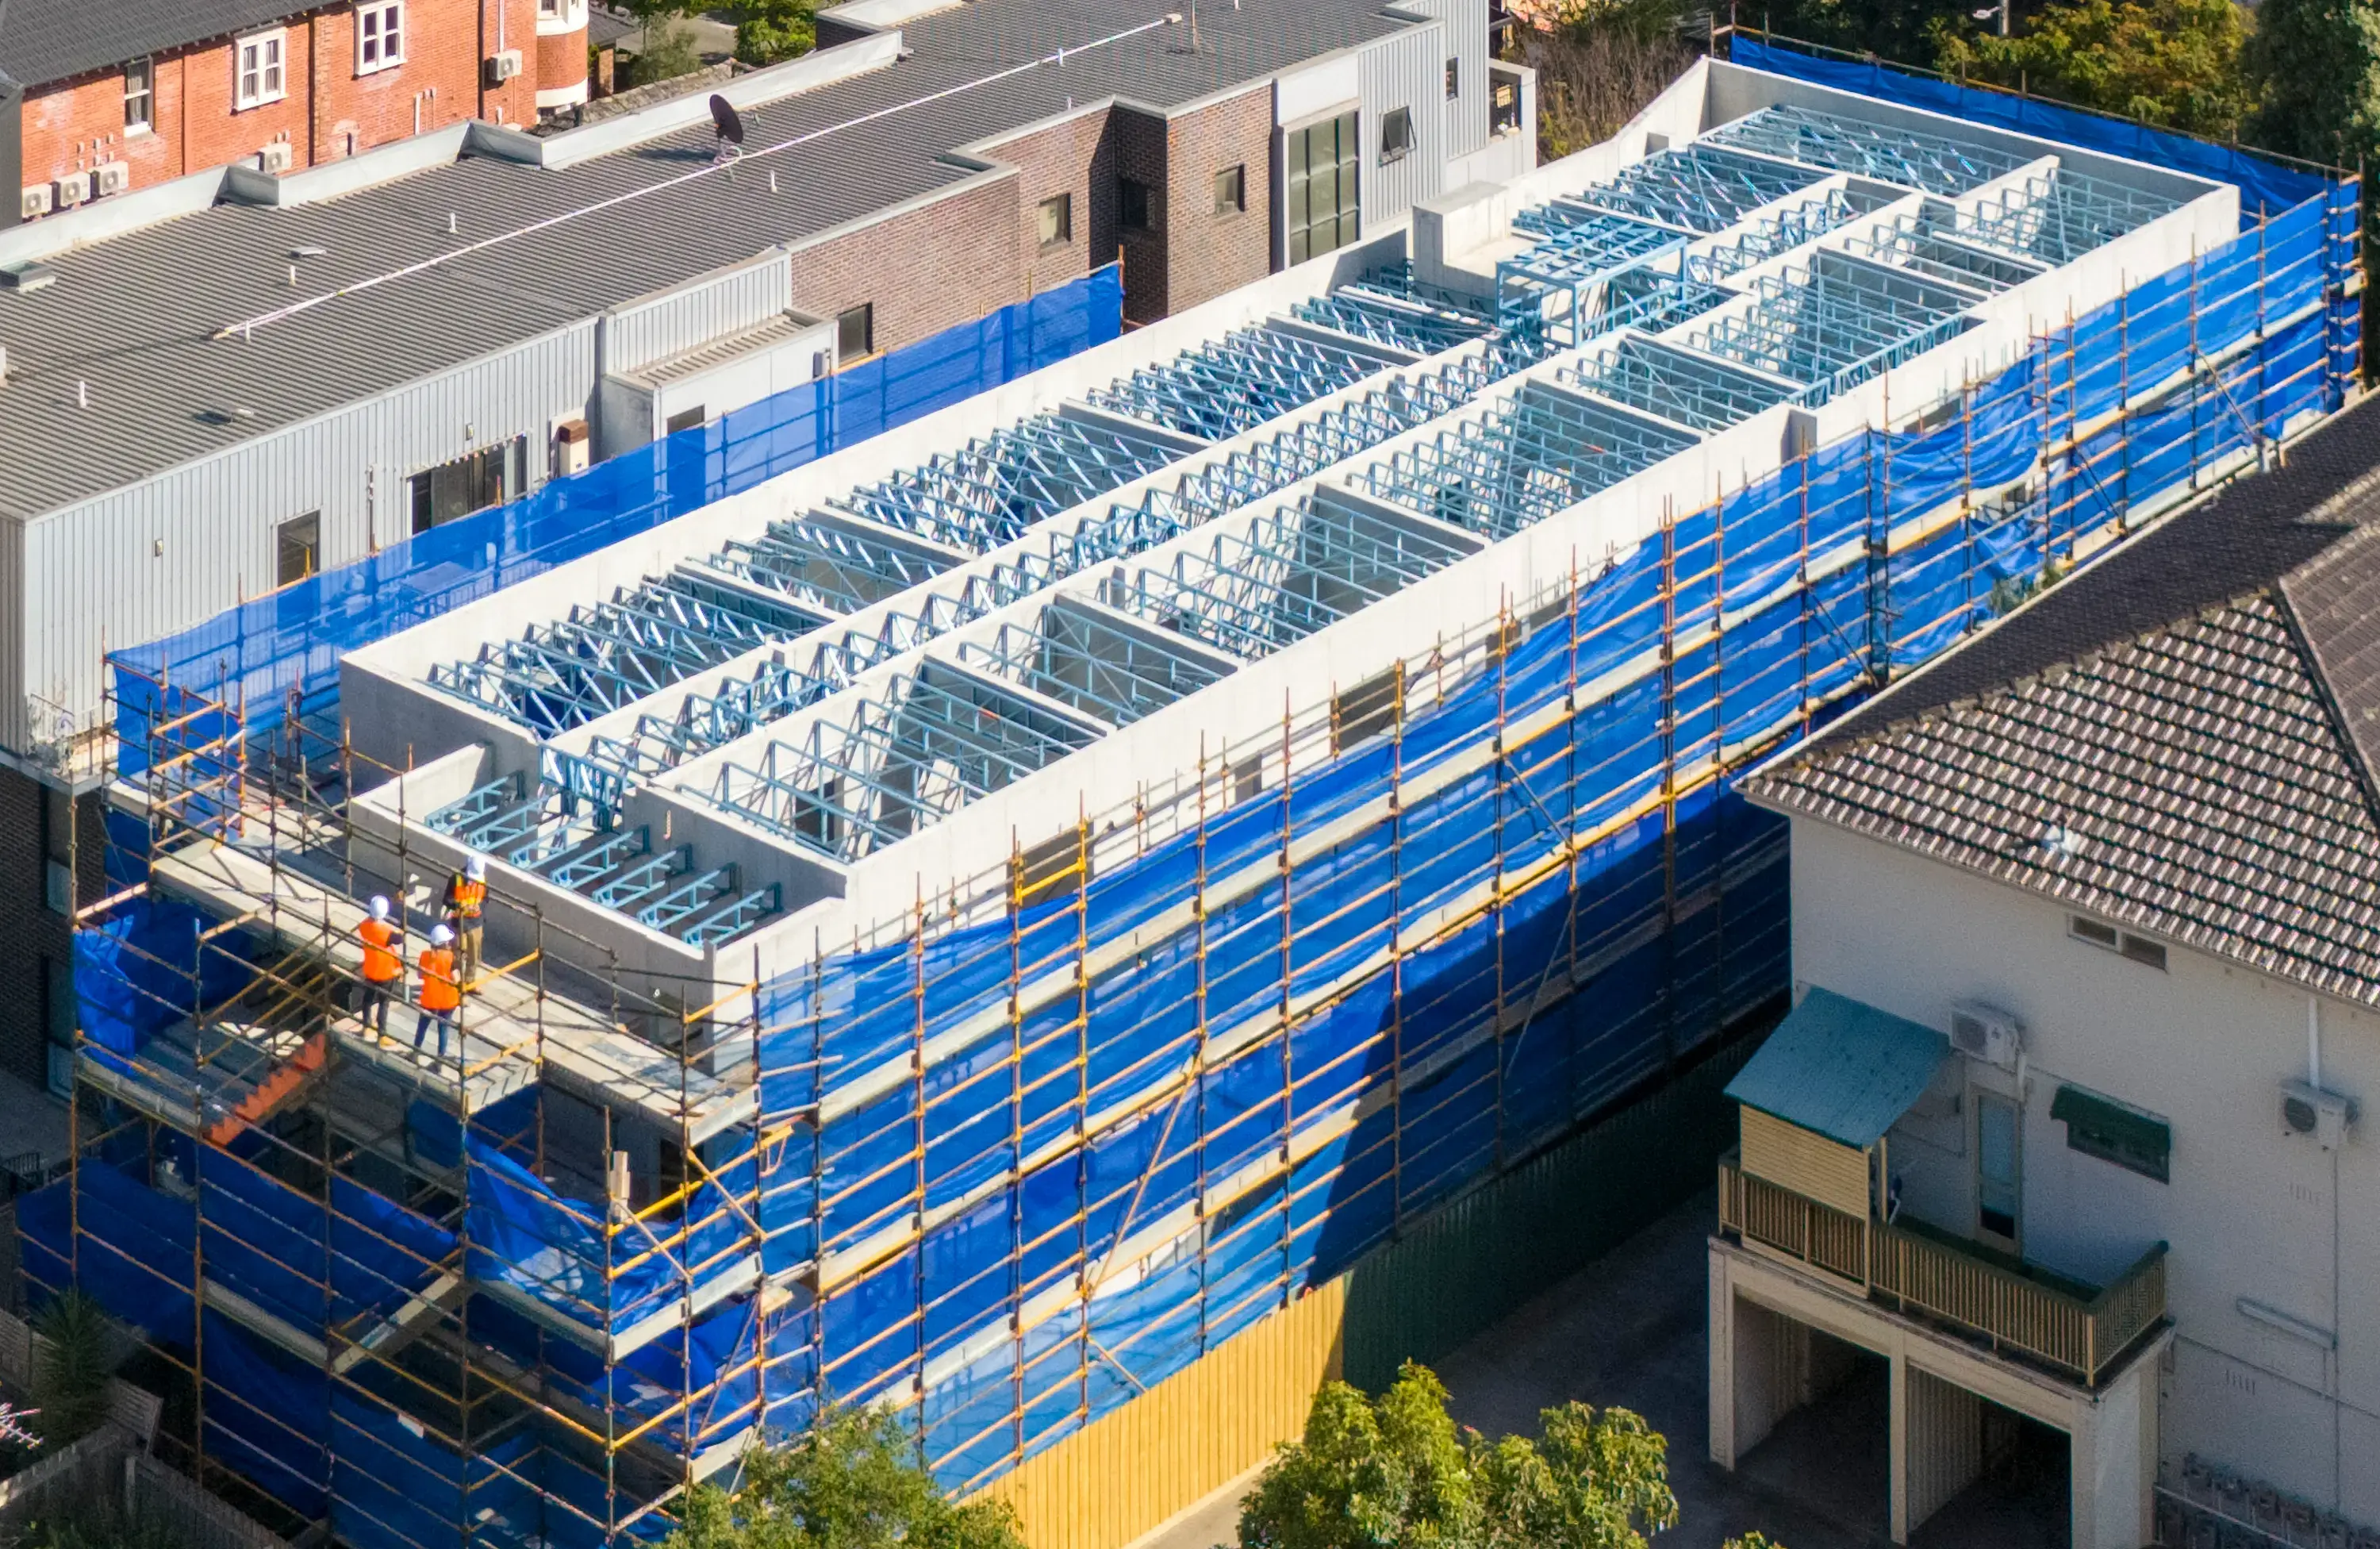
[[1208, 254], [1140, 155], [1076, 158], [35, 826]]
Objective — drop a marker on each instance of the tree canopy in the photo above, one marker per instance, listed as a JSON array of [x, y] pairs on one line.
[[2313, 71], [856, 1482], [1396, 1474], [2171, 63]]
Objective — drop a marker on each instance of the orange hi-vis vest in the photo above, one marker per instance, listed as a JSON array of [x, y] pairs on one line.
[[380, 961], [439, 990], [468, 897]]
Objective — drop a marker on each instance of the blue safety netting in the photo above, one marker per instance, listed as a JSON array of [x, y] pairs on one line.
[[1868, 556], [2266, 186], [145, 967], [1361, 1096], [282, 650]]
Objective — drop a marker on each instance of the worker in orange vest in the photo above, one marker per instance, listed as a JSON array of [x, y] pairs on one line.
[[467, 904], [442, 993], [384, 966]]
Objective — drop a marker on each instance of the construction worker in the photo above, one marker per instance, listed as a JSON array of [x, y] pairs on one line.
[[466, 903], [384, 966], [442, 992]]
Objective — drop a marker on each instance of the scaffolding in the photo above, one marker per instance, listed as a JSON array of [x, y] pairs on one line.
[[1008, 1158]]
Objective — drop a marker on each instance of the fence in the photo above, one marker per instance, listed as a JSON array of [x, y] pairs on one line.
[[282, 650]]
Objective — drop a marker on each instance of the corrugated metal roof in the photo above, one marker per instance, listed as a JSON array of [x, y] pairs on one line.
[[1840, 1068], [717, 352], [45, 41], [2176, 738], [132, 317]]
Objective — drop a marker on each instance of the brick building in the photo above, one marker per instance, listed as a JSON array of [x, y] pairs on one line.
[[104, 96]]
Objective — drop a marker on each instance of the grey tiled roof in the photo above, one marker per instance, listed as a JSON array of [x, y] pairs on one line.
[[45, 41], [2193, 749]]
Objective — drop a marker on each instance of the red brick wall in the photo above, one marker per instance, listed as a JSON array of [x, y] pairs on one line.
[[942, 263], [1208, 254], [1076, 158], [327, 112], [559, 60]]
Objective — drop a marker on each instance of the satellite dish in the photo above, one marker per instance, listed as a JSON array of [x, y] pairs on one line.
[[726, 120]]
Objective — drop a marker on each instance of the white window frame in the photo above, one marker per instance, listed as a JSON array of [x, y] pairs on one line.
[[380, 36], [148, 94], [270, 74]]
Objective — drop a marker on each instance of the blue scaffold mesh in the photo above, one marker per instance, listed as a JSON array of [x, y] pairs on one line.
[[286, 648], [1252, 1052]]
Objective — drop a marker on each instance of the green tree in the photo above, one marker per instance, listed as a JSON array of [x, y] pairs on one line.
[[2171, 63], [775, 30], [2313, 68], [666, 51], [1395, 1473], [856, 1482], [79, 1351]]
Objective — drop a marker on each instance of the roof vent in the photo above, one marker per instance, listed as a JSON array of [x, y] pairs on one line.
[[28, 277]]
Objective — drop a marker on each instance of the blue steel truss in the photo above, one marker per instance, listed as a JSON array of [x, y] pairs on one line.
[[1290, 573], [1781, 231], [1682, 386], [1236, 384], [1403, 317], [1838, 323], [1914, 159], [989, 491], [2055, 219], [934, 742], [1926, 245], [603, 658], [1696, 189], [1523, 461], [1113, 669], [825, 564]]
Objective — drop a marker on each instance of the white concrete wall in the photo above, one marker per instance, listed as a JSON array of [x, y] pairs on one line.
[[2254, 1214]]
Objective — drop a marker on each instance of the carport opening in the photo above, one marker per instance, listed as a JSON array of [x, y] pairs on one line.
[[2020, 1496], [1830, 1448]]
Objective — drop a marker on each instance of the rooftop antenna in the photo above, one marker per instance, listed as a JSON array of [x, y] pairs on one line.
[[728, 124]]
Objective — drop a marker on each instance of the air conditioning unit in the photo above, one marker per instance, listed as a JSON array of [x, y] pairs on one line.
[[110, 177], [2322, 1116], [503, 65], [571, 448], [1987, 1034], [32, 202], [70, 190], [275, 157]]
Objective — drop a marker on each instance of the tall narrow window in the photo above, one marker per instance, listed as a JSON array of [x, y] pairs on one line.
[[1998, 1183], [379, 35], [139, 97], [1319, 188], [262, 75], [1454, 79], [855, 332], [298, 545]]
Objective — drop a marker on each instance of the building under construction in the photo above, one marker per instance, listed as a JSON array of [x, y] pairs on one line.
[[985, 922]]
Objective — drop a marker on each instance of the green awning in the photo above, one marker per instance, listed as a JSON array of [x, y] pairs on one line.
[[1842, 1068], [2114, 1131]]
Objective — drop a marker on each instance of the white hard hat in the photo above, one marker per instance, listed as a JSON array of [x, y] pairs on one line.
[[379, 907], [475, 868], [439, 935]]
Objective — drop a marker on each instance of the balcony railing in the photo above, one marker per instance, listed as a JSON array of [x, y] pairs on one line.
[[2020, 1308]]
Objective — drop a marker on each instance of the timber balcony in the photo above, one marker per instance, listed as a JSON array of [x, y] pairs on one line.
[[2021, 1309]]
